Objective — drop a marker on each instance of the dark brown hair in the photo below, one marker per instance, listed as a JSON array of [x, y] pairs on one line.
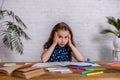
[[60, 26]]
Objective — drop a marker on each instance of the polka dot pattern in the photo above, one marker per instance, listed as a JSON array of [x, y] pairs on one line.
[[60, 54]]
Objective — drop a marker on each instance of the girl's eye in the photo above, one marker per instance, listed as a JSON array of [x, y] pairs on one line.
[[60, 36], [66, 37]]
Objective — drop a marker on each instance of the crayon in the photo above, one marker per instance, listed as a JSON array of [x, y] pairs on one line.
[[95, 68], [64, 66], [78, 66], [94, 73], [9, 64], [74, 67], [88, 71], [91, 62], [81, 68]]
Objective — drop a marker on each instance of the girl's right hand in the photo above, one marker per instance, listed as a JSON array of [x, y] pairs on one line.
[[55, 40]]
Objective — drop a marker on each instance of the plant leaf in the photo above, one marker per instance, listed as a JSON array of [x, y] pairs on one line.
[[13, 31], [108, 31], [20, 21], [113, 21], [7, 40]]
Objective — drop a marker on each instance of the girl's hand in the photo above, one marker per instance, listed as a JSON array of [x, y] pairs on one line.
[[69, 40], [55, 40]]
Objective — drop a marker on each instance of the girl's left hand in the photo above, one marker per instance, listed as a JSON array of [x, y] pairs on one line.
[[69, 40]]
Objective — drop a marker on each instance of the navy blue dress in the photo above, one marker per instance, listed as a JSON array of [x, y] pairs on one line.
[[59, 54]]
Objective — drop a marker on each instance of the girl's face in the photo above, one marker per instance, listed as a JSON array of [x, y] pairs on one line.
[[62, 37]]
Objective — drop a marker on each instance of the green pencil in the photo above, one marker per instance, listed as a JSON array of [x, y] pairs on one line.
[[95, 68]]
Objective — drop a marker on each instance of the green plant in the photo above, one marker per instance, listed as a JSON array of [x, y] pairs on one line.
[[115, 23], [12, 30]]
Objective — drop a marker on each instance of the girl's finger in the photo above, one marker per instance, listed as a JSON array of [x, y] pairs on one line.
[[56, 35], [69, 36]]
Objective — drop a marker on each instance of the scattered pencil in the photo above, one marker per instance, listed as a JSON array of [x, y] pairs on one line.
[[94, 73]]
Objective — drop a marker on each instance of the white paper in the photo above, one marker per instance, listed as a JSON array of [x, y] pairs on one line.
[[50, 64], [59, 69], [79, 63]]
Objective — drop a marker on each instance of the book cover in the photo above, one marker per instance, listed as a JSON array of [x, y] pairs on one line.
[[22, 70], [29, 72]]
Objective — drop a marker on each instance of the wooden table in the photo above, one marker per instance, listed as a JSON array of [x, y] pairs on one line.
[[110, 74]]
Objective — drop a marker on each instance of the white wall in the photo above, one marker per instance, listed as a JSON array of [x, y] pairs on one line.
[[86, 18]]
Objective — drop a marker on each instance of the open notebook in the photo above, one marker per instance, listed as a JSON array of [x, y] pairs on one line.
[[49, 64], [26, 71]]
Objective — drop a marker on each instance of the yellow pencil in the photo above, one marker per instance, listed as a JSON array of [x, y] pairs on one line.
[[94, 73]]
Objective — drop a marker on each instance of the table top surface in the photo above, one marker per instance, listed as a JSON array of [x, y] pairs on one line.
[[111, 73]]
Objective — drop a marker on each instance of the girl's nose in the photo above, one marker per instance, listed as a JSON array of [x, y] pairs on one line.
[[63, 40]]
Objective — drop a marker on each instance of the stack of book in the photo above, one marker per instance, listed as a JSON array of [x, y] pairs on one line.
[[24, 71]]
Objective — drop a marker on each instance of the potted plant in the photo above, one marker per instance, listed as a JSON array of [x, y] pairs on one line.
[[116, 42], [116, 24], [12, 30]]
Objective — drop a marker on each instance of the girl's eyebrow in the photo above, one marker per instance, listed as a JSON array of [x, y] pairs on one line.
[[66, 36]]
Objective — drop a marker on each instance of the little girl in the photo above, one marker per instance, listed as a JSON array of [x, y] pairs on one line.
[[60, 46]]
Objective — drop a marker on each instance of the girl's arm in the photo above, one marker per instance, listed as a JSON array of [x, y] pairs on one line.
[[47, 52], [75, 53]]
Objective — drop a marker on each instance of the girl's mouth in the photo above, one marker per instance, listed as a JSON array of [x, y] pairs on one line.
[[62, 44]]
